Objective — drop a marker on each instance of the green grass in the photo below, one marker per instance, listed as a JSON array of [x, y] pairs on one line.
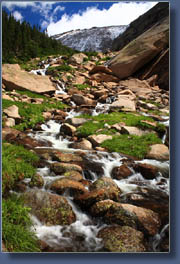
[[17, 163], [31, 94], [56, 71], [32, 113], [16, 225], [129, 119], [81, 86], [136, 146]]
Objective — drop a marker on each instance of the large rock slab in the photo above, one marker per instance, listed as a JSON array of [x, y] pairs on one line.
[[141, 50], [15, 78]]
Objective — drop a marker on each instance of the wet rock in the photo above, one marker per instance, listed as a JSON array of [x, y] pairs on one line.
[[100, 208], [124, 104], [59, 167], [149, 219], [122, 239], [14, 136], [66, 157], [96, 140], [86, 200], [155, 200], [159, 152], [76, 121], [50, 209], [73, 175], [67, 129], [92, 166], [12, 111], [148, 171], [82, 100], [82, 144], [105, 182], [37, 181], [120, 172], [62, 185]]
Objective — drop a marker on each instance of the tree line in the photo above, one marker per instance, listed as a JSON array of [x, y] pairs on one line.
[[21, 41]]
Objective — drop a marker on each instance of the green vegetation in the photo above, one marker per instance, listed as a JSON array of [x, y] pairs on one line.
[[17, 164], [31, 94], [81, 86], [21, 42], [56, 71], [16, 225], [136, 146], [32, 113], [95, 123]]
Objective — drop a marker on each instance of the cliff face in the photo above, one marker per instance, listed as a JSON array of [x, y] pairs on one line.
[[141, 24], [93, 39]]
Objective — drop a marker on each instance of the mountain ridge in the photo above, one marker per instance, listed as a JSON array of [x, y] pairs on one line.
[[94, 39]]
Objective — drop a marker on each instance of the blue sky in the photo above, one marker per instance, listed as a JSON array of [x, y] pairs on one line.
[[61, 16]]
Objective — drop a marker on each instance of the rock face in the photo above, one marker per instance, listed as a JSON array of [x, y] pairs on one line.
[[15, 78], [141, 50], [93, 39], [141, 24]]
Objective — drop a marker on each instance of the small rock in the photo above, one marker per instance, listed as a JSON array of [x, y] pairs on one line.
[[96, 140], [82, 100], [83, 144], [67, 129], [12, 111], [76, 121], [9, 122], [124, 104], [59, 167], [132, 131]]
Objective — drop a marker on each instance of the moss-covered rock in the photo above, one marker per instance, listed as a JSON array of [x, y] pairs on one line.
[[122, 239], [50, 209], [64, 184]]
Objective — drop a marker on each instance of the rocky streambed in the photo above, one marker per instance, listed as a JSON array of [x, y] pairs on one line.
[[86, 196]]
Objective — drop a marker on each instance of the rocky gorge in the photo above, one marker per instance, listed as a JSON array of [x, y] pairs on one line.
[[98, 136]]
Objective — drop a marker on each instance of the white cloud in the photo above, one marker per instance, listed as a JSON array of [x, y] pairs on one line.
[[17, 15], [121, 13]]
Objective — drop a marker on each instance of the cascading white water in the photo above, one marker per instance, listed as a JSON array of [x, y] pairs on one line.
[[81, 235]]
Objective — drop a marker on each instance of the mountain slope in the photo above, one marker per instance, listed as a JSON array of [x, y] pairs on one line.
[[93, 39]]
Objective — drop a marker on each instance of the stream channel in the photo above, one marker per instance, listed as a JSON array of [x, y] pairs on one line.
[[82, 234]]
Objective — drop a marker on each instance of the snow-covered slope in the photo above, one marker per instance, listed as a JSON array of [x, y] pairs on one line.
[[93, 39]]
